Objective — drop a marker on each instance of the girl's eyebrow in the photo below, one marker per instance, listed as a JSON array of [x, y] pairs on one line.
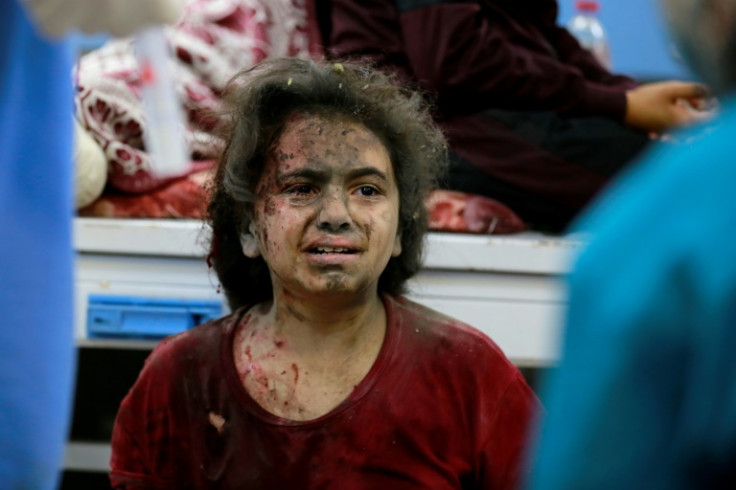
[[310, 174], [367, 172]]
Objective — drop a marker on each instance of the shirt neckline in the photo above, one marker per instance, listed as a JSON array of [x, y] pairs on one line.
[[243, 398]]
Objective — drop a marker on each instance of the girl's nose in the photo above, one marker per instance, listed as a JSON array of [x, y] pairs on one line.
[[334, 213]]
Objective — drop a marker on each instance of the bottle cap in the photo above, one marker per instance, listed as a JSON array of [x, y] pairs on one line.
[[587, 6]]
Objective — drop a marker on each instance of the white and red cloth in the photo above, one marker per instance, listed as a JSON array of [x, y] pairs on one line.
[[212, 41]]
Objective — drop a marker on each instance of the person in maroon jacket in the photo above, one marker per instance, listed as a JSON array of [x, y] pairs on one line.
[[533, 120], [324, 376]]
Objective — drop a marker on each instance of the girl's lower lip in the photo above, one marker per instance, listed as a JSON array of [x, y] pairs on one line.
[[331, 258]]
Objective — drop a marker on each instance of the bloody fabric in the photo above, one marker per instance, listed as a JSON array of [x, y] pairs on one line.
[[185, 197], [502, 55], [469, 213], [440, 408]]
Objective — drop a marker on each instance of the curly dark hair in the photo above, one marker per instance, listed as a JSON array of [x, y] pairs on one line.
[[260, 100]]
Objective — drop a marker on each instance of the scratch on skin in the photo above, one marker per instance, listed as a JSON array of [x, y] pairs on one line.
[[252, 367], [295, 313], [295, 368], [269, 207]]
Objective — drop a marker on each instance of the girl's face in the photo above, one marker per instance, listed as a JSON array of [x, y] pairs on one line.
[[327, 209]]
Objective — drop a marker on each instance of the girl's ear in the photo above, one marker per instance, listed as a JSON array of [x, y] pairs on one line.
[[397, 246], [249, 242]]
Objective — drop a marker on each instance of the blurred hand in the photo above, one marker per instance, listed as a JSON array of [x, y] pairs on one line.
[[656, 107], [116, 17]]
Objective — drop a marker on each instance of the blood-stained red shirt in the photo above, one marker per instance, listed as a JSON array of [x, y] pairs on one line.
[[441, 408]]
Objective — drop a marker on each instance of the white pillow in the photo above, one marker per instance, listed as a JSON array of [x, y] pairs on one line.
[[91, 167]]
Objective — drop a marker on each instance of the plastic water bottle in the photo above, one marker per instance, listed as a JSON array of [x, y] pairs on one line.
[[589, 32]]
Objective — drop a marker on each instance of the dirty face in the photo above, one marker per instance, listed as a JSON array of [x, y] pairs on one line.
[[327, 209]]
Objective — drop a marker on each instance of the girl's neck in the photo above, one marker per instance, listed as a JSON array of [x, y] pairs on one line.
[[339, 326]]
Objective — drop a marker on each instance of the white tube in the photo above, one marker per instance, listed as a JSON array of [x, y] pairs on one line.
[[163, 133]]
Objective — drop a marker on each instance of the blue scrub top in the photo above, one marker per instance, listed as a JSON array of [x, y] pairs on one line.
[[36, 258], [645, 394]]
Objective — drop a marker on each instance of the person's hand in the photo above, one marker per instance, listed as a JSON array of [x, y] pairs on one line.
[[656, 107], [116, 17]]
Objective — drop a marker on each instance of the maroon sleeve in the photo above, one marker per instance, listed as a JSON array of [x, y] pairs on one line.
[[468, 56], [571, 52], [140, 435]]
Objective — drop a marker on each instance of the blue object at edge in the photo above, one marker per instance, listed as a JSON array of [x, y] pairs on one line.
[[142, 317]]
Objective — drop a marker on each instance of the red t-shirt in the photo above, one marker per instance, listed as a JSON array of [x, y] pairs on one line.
[[440, 408]]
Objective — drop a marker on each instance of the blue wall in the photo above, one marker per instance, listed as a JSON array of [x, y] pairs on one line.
[[640, 44]]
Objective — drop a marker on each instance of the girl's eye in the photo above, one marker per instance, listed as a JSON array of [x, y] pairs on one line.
[[367, 190], [300, 189]]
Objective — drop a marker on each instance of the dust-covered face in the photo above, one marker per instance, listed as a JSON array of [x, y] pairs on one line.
[[327, 209]]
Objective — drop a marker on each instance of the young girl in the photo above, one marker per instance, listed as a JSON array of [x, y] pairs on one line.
[[323, 376]]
